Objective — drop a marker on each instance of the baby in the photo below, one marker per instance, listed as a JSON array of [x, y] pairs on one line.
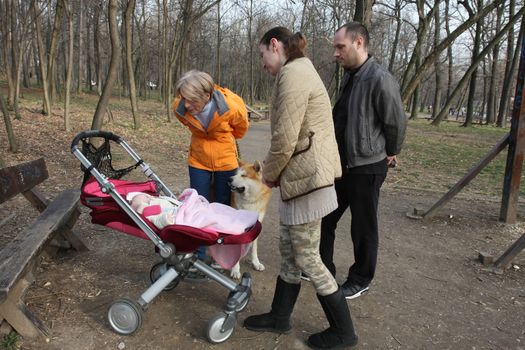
[[160, 211]]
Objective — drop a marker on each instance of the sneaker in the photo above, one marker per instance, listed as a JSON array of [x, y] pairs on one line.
[[352, 291], [305, 277], [195, 275], [215, 265]]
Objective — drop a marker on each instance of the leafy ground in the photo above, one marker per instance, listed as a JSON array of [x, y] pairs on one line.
[[430, 291]]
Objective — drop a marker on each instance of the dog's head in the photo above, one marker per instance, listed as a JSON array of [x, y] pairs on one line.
[[248, 177]]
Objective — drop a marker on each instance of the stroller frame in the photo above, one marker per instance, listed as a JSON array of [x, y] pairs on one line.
[[125, 315]]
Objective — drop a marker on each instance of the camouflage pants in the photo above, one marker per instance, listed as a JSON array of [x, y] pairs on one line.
[[299, 246]]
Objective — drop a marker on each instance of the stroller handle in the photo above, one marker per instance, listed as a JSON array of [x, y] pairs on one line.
[[94, 133]]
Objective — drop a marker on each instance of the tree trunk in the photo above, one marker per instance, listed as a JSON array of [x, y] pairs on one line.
[[491, 95], [476, 62], [113, 67], [474, 74], [250, 43], [436, 105], [89, 60], [422, 30], [96, 44], [450, 58], [36, 61], [363, 11], [26, 80], [218, 50], [46, 109], [128, 17], [415, 80], [415, 103], [510, 68], [179, 47], [11, 50], [393, 53], [80, 62], [69, 14], [13, 146], [52, 53]]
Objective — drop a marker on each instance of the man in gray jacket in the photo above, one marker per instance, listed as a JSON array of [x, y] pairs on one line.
[[370, 124]]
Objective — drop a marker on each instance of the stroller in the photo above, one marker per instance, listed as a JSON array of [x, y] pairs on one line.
[[104, 192]]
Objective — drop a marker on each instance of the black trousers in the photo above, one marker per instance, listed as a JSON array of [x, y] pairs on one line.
[[360, 192]]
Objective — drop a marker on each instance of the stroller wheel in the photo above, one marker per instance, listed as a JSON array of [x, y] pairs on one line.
[[158, 270], [125, 316], [220, 328], [243, 305]]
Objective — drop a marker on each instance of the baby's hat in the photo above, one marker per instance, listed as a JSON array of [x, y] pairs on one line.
[[131, 195]]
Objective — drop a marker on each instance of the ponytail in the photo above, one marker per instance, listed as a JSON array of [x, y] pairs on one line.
[[294, 44]]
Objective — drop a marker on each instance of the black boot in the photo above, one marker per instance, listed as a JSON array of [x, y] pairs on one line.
[[341, 333], [277, 320]]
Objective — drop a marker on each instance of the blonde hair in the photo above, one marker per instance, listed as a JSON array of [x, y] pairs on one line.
[[195, 86]]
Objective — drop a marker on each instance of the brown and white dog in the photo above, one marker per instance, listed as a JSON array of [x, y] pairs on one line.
[[250, 193]]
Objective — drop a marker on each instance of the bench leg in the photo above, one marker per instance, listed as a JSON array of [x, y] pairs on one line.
[[506, 258], [16, 313], [77, 242]]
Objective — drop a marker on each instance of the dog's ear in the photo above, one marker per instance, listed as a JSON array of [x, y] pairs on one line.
[[257, 166], [241, 162]]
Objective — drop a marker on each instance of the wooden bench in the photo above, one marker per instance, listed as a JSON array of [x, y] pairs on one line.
[[257, 115], [19, 257]]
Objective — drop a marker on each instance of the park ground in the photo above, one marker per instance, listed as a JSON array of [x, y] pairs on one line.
[[430, 290]]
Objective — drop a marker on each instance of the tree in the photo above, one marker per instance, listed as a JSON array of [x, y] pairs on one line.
[[363, 11], [46, 109], [69, 15], [13, 146], [413, 65], [411, 83], [52, 53], [96, 45], [491, 95], [511, 64], [129, 61], [80, 56], [437, 66], [475, 62], [113, 67], [474, 73]]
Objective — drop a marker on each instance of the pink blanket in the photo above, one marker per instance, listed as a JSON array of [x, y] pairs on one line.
[[196, 211]]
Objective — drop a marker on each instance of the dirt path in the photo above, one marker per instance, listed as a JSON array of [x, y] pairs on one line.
[[429, 292]]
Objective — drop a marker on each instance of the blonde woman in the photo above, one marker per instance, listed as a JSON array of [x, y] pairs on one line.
[[216, 117], [303, 162]]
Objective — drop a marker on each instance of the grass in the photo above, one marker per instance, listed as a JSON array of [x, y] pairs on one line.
[[10, 341], [436, 158]]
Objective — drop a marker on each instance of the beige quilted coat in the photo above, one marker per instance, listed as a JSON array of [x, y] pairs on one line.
[[303, 155]]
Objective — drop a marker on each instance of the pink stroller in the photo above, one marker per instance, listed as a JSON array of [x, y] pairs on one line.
[[104, 193]]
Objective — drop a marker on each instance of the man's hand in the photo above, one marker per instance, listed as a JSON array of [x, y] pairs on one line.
[[391, 161]]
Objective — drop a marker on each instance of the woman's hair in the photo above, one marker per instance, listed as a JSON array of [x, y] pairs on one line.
[[294, 44], [195, 85]]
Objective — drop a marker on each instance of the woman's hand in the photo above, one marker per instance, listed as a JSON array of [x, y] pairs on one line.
[[270, 184]]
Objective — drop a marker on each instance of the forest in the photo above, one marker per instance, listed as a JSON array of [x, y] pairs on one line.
[[454, 60]]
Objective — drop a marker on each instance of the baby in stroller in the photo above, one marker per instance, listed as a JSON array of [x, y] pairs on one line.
[[160, 210]]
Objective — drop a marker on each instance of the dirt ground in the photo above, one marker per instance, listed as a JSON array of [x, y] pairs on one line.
[[430, 292]]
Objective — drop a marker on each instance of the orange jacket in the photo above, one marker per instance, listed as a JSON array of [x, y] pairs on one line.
[[214, 149]]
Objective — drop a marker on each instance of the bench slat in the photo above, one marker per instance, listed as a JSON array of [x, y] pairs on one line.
[[21, 178], [16, 256]]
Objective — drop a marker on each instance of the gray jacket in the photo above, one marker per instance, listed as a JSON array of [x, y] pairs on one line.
[[376, 119]]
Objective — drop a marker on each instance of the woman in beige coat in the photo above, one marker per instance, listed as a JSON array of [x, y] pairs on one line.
[[303, 162]]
